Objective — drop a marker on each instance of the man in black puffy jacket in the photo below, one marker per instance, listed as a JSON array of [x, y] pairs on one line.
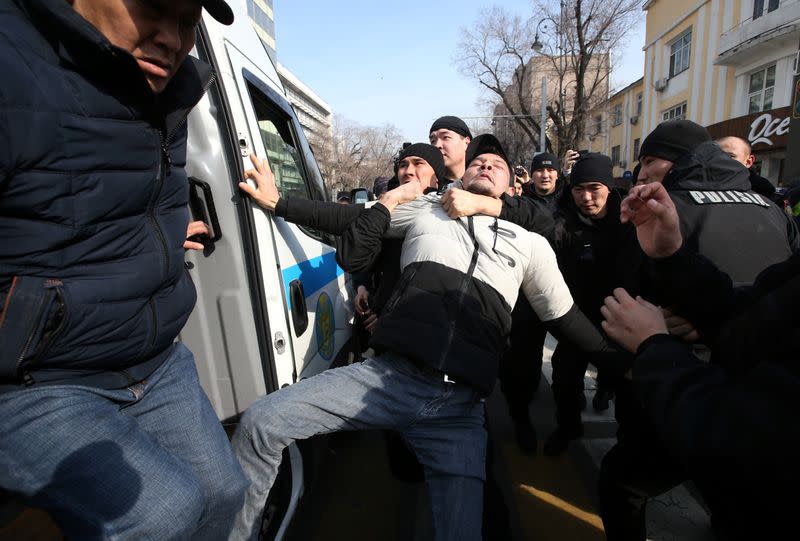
[[103, 420]]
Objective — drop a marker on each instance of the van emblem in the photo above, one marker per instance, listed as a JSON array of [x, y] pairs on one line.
[[324, 326]]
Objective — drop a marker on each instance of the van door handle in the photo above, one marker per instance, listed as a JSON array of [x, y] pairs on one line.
[[201, 203], [299, 311]]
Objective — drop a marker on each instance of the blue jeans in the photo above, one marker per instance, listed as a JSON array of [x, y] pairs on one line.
[[150, 461], [441, 422]]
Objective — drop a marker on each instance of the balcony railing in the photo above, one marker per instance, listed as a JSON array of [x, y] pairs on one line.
[[739, 40]]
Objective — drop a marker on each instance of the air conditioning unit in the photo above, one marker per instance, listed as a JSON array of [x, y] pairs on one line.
[[660, 84], [634, 119]]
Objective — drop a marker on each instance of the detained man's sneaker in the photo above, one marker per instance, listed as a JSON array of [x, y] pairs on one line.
[[601, 399], [526, 437], [558, 442]]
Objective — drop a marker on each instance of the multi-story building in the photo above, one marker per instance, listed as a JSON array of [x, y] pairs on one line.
[[551, 78], [725, 64], [615, 127], [260, 12], [313, 112]]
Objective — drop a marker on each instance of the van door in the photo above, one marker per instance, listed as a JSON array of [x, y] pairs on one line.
[[272, 305], [237, 330], [317, 301]]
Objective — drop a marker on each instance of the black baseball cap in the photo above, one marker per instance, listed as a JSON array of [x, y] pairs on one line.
[[487, 144], [219, 9]]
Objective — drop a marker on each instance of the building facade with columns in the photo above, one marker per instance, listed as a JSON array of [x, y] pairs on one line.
[[725, 64], [615, 127]]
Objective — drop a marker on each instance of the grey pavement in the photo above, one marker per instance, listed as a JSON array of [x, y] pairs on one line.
[[674, 516]]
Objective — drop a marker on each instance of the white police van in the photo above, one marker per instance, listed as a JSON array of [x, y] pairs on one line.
[[273, 307]]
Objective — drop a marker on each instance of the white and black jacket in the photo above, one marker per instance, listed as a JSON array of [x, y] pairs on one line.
[[452, 307]]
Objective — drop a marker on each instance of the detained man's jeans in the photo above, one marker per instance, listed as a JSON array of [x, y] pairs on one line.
[[147, 462], [442, 422]]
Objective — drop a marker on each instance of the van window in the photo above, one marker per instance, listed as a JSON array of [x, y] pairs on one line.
[[285, 151], [284, 157]]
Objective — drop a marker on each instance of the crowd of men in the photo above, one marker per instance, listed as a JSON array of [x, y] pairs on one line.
[[681, 292]]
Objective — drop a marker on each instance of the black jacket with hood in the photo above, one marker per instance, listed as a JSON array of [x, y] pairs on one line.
[[550, 200], [723, 219], [732, 425], [592, 254]]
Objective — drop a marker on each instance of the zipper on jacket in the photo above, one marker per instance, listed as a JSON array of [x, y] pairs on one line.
[[462, 290], [164, 169], [43, 303], [153, 333], [164, 159]]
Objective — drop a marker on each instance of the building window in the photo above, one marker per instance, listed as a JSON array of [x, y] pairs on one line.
[[598, 124], [759, 5], [680, 51], [762, 88], [636, 144], [617, 115], [676, 113], [615, 155], [638, 104]]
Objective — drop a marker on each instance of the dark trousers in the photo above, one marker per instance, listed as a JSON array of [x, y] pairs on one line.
[[521, 366], [634, 470], [569, 368]]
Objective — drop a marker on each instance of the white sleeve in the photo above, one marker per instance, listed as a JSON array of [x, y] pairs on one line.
[[543, 284]]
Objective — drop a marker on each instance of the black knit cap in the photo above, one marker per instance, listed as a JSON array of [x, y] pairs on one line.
[[592, 167], [545, 159], [672, 139], [452, 123], [488, 144], [427, 152]]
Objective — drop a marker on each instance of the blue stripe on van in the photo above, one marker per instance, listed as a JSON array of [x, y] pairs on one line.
[[314, 274]]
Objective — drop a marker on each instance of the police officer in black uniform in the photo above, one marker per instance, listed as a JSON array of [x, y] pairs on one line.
[[741, 233], [589, 240]]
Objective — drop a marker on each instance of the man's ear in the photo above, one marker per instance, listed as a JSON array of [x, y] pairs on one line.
[[751, 159]]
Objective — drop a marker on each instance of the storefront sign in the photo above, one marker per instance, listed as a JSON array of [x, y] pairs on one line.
[[765, 131], [764, 127]]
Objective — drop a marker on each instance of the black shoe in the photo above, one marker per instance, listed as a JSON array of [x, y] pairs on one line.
[[526, 437], [558, 442], [601, 399]]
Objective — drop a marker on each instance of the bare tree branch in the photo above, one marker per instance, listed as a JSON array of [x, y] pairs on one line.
[[579, 38]]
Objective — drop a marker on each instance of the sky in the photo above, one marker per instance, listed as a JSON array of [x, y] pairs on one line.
[[382, 63]]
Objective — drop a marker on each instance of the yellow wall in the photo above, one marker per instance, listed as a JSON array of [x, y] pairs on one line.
[[710, 92], [662, 14], [624, 134]]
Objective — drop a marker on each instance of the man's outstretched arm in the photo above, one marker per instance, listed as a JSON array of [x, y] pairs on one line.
[[359, 245], [523, 211], [328, 217]]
